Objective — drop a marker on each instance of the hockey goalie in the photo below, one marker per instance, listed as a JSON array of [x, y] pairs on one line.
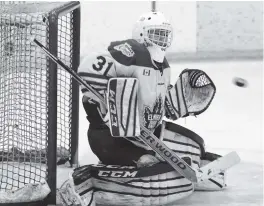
[[133, 77]]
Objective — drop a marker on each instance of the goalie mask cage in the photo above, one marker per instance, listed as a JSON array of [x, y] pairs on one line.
[[38, 100]]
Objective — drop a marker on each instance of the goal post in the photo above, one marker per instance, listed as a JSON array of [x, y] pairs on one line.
[[39, 101]]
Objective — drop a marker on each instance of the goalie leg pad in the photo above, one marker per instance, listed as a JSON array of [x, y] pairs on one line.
[[157, 185], [189, 144], [183, 142]]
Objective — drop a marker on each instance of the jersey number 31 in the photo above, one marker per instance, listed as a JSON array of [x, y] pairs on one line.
[[100, 64]]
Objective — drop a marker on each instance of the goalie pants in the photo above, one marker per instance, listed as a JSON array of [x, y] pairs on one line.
[[114, 150]]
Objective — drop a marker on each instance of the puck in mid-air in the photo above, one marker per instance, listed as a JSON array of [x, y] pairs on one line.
[[240, 82]]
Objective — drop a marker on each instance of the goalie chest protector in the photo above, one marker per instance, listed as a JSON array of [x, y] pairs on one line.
[[132, 59]]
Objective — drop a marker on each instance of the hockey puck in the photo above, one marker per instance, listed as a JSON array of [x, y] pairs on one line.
[[240, 82]]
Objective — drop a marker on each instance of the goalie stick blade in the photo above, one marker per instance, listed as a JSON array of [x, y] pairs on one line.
[[219, 165]]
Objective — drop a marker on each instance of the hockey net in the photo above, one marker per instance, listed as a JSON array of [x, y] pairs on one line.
[[38, 101]]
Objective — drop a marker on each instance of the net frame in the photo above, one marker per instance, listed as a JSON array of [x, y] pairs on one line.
[[54, 21]]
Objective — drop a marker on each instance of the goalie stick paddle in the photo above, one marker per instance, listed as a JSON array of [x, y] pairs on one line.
[[148, 137]]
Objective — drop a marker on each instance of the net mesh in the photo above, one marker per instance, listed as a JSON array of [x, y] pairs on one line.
[[24, 84]]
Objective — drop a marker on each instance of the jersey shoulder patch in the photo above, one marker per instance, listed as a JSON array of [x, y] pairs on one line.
[[130, 52]]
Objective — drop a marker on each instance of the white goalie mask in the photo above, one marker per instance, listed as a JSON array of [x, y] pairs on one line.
[[155, 31]]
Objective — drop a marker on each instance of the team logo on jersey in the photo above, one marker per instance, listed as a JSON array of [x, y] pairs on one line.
[[126, 49], [152, 116]]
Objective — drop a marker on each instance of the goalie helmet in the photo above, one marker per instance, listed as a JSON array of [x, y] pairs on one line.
[[155, 31]]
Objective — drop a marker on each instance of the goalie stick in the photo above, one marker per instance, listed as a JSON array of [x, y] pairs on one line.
[[150, 139]]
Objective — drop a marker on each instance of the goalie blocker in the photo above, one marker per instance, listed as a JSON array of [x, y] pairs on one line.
[[122, 105], [158, 184]]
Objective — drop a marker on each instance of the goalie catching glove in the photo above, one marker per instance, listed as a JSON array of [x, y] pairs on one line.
[[191, 95]]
